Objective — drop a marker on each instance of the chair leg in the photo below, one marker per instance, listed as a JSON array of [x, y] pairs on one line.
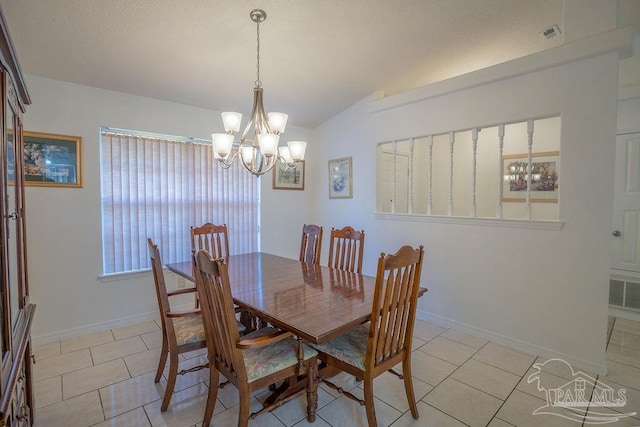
[[214, 376], [312, 390], [245, 407], [171, 381], [368, 402], [163, 359], [408, 386]]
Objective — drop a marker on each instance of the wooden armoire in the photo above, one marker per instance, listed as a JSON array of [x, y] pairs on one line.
[[16, 312]]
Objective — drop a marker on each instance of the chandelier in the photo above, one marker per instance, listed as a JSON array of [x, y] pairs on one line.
[[257, 147]]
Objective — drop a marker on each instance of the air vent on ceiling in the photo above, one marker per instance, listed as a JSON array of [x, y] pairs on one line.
[[551, 32]]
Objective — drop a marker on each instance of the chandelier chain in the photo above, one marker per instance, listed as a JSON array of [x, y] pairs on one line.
[[258, 83], [258, 152]]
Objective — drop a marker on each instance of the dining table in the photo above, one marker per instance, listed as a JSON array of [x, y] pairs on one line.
[[315, 303]]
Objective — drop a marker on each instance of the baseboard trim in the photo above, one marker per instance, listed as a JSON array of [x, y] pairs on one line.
[[623, 313], [526, 347], [93, 328], [102, 326]]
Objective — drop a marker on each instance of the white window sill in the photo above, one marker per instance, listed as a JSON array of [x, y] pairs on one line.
[[115, 277], [484, 222]]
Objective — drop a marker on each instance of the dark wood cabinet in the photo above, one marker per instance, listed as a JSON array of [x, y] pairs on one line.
[[16, 312]]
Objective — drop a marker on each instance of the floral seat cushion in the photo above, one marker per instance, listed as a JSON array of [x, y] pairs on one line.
[[189, 329], [350, 347], [264, 361]]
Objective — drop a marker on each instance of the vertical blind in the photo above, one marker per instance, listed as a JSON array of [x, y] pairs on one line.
[[159, 186]]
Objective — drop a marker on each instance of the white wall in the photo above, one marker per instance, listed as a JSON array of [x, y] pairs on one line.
[[284, 212], [541, 290], [64, 225]]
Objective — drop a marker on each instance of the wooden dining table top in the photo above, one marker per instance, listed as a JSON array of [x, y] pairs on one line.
[[314, 302]]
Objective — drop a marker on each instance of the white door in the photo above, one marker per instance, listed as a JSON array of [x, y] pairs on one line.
[[385, 181], [402, 184], [393, 190], [625, 247]]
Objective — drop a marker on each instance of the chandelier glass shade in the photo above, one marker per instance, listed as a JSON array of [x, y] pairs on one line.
[[258, 146]]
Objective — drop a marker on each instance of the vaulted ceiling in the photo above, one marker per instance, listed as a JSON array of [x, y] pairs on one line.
[[317, 56]]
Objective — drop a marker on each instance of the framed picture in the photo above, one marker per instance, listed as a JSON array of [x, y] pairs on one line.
[[52, 160], [340, 178], [545, 176], [290, 179]]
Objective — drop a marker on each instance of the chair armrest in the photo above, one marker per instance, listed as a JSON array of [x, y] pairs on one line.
[[181, 291], [184, 313], [263, 340]]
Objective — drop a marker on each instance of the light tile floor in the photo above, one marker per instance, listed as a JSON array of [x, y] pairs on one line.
[[106, 379]]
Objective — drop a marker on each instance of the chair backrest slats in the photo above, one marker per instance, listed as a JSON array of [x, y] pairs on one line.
[[214, 290], [394, 304], [346, 249], [311, 243], [214, 238], [401, 295]]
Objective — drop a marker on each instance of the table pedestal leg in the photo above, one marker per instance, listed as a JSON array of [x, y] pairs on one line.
[[301, 366]]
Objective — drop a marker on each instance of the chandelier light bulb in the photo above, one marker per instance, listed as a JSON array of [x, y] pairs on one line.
[[277, 122], [248, 154], [285, 154], [268, 143], [222, 143], [231, 122], [297, 149]]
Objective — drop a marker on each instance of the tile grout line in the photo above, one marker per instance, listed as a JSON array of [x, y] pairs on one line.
[[497, 367], [506, 422], [449, 376], [626, 364], [511, 392], [610, 332], [98, 389], [104, 414], [481, 391], [586, 412]]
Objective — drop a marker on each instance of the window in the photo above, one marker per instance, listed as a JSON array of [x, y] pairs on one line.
[[476, 173], [159, 186]]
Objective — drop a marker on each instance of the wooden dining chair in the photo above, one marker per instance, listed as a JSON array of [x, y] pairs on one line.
[[259, 359], [214, 238], [346, 248], [311, 244], [182, 331], [368, 351]]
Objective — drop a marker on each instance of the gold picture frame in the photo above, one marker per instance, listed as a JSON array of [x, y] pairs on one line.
[[544, 180], [52, 160], [290, 179], [340, 178]]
